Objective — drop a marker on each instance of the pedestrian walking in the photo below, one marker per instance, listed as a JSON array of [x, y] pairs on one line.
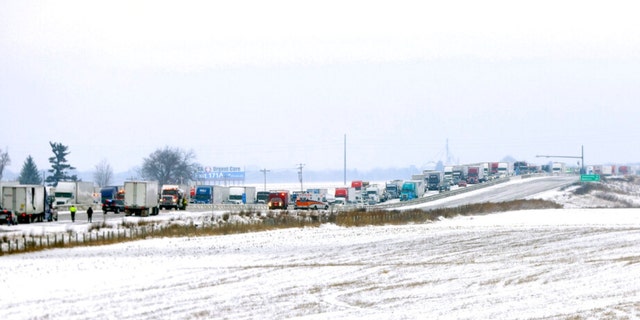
[[73, 210], [89, 213]]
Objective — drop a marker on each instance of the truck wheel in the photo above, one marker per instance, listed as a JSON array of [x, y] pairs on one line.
[[116, 210]]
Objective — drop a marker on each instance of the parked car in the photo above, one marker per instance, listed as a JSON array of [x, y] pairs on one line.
[[462, 183], [6, 217], [114, 205]]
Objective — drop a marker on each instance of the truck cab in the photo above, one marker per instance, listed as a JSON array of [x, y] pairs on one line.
[[172, 198], [278, 200]]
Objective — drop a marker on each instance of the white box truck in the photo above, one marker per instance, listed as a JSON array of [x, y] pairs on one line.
[[73, 192], [28, 202], [242, 195], [141, 198]]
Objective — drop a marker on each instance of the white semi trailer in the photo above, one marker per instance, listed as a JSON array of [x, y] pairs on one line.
[[242, 195], [28, 202], [141, 198], [73, 192]]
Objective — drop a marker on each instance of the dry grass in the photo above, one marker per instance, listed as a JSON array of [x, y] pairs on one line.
[[618, 191], [145, 229], [382, 217]]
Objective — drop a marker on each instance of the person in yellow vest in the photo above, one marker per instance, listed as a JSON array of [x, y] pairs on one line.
[[73, 210]]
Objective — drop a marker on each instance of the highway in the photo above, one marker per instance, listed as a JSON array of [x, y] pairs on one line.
[[515, 189]]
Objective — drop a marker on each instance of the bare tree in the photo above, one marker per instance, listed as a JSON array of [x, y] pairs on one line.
[[169, 166], [103, 174], [5, 160]]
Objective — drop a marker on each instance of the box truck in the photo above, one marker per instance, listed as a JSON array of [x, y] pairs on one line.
[[141, 198]]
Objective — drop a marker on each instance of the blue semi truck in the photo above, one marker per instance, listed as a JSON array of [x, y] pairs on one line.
[[211, 194]]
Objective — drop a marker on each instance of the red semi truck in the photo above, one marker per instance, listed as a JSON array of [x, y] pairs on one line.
[[475, 174]]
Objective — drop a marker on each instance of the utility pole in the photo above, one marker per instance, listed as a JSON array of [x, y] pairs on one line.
[[300, 166], [264, 171]]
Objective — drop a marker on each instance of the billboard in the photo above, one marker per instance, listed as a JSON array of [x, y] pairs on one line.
[[220, 174]]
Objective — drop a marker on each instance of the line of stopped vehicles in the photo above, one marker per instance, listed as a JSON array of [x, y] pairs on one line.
[[37, 203]]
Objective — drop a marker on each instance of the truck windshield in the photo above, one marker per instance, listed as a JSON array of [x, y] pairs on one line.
[[64, 195], [170, 192], [202, 196]]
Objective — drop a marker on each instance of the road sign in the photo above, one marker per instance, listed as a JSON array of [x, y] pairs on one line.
[[589, 177]]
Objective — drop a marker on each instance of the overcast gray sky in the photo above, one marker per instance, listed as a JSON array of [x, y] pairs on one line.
[[277, 83]]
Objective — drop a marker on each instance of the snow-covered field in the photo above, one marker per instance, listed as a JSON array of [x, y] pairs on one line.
[[539, 264]]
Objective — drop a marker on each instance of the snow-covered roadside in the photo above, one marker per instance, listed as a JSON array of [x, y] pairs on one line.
[[525, 264], [536, 264]]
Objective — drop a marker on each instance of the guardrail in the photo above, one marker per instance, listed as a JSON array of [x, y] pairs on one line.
[[438, 196], [227, 207], [259, 207]]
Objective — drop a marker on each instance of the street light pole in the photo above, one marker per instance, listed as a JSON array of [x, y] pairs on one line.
[[581, 157]]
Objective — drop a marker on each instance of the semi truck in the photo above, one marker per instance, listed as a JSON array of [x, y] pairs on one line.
[[242, 195], [27, 202], [141, 198], [173, 196], [347, 194], [357, 185], [373, 194], [448, 174], [486, 175], [262, 197], [73, 192], [435, 180], [412, 189], [505, 169], [459, 173], [211, 194], [475, 174], [392, 189], [494, 168], [557, 168], [623, 170]]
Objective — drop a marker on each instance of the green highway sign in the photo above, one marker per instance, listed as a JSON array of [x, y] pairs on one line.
[[589, 177]]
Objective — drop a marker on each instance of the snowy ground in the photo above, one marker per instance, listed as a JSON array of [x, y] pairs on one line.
[[539, 264]]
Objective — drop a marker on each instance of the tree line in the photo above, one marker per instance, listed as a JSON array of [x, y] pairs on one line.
[[167, 166]]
